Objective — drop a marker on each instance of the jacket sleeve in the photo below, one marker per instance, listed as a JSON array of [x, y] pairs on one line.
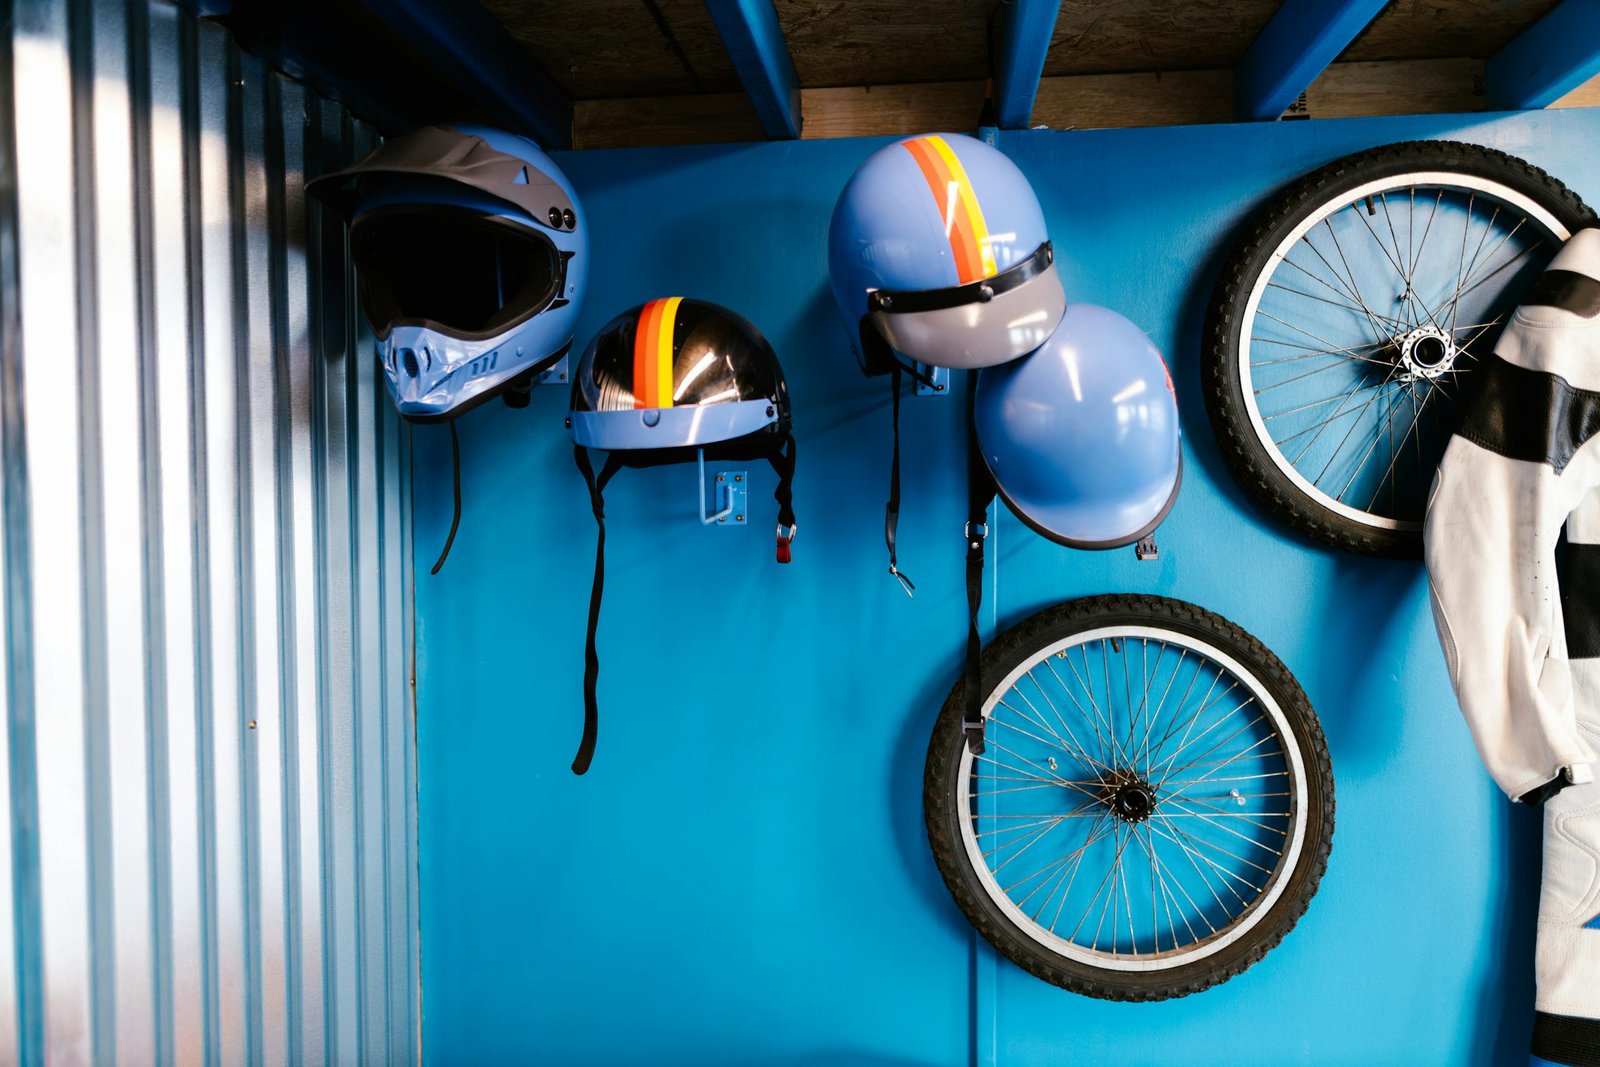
[[1523, 459]]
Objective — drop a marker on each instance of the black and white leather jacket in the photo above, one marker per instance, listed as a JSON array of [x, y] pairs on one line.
[[1521, 642]]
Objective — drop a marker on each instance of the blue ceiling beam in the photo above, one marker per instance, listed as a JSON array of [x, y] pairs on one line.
[[1019, 63], [754, 40], [1547, 60], [479, 58], [1296, 46]]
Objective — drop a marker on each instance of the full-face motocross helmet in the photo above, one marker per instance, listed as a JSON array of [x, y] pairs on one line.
[[471, 253], [938, 250], [668, 382]]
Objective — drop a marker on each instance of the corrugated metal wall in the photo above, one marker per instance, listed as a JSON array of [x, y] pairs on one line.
[[208, 767]]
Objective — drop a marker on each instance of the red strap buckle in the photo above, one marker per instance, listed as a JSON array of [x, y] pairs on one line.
[[785, 539]]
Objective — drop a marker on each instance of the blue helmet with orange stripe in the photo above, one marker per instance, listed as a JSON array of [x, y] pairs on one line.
[[938, 250], [471, 253]]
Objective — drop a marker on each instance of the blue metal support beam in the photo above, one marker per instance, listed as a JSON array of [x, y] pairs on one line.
[[418, 61], [754, 40], [1293, 49], [479, 57], [1019, 62], [1547, 60]]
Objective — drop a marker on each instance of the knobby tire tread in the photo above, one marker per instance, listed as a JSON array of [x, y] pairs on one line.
[[1246, 455]]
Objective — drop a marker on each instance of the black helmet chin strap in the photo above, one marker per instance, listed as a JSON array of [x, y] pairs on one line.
[[980, 493], [782, 460], [591, 659], [891, 510], [455, 516], [781, 456]]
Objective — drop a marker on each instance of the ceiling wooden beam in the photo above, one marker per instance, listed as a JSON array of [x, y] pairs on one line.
[[1019, 60], [1081, 101], [1296, 46], [1547, 60], [755, 43]]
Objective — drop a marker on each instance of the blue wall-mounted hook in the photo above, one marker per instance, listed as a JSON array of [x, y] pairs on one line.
[[732, 491], [937, 383], [556, 373]]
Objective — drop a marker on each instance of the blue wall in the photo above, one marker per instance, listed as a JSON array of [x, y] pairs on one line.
[[743, 875]]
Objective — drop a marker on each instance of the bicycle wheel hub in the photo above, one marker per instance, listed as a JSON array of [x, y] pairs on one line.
[[1425, 352], [1132, 801]]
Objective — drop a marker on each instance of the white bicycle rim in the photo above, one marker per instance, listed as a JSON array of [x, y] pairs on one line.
[[1251, 916]]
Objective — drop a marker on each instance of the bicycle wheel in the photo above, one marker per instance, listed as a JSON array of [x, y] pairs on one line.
[[1350, 316], [1153, 809]]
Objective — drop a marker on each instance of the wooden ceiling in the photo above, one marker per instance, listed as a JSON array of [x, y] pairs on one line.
[[1436, 29], [657, 71]]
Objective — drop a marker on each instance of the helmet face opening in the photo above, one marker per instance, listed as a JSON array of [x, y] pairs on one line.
[[457, 271]]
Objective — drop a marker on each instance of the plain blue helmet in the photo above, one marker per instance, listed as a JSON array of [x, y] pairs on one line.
[[471, 254], [938, 250], [1081, 436]]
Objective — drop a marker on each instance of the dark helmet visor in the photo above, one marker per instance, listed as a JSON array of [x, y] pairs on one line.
[[463, 273]]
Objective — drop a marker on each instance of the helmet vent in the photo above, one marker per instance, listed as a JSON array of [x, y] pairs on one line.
[[521, 178]]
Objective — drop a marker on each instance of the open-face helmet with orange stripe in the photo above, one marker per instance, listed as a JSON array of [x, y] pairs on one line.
[[671, 381], [938, 250], [678, 373]]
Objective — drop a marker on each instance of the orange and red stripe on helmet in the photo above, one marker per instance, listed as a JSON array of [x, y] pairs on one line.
[[652, 353], [958, 206]]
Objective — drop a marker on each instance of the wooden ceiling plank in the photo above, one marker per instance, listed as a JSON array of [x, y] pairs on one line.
[[1297, 45], [1109, 101], [1585, 95], [1548, 60], [1019, 64], [657, 121], [879, 110], [1396, 87], [756, 46]]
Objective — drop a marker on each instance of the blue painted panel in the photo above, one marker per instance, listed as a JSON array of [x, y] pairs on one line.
[[1293, 49], [1020, 63], [1547, 60], [743, 876]]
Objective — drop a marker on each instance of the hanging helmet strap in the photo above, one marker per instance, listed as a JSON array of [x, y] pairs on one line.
[[591, 660], [455, 480], [980, 493], [891, 510], [782, 460]]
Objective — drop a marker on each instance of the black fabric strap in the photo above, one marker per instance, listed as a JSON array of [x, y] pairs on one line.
[[1566, 1039], [891, 510], [591, 660], [455, 518], [1540, 794], [782, 460], [980, 492]]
